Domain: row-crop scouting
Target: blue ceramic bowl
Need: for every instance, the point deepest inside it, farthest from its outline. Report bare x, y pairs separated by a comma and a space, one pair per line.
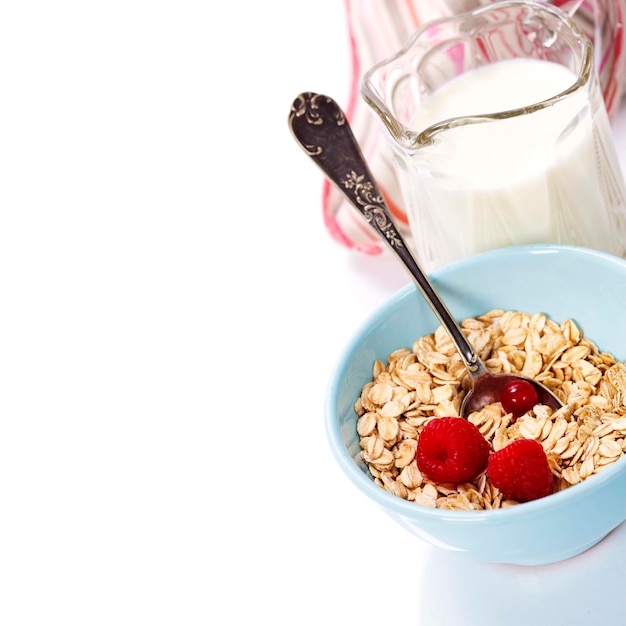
564, 282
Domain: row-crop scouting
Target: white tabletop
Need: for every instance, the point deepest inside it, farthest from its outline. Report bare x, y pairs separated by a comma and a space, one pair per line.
172, 308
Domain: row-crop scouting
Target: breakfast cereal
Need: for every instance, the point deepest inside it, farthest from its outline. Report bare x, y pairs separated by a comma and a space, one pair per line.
429, 380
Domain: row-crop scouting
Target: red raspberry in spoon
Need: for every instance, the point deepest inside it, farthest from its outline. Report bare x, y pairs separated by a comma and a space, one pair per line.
451, 450
518, 397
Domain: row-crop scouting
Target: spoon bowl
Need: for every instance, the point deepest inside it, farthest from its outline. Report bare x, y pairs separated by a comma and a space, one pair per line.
320, 127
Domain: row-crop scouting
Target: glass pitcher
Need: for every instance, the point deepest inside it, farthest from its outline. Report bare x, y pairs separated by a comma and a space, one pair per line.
506, 168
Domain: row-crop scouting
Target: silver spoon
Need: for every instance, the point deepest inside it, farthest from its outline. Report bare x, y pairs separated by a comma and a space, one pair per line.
320, 127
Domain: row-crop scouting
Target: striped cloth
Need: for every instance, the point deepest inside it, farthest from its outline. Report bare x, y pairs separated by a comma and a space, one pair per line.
377, 29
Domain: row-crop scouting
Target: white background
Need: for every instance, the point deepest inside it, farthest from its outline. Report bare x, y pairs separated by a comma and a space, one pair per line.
171, 310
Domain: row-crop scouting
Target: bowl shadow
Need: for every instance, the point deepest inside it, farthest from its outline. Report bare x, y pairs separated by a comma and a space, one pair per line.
585, 590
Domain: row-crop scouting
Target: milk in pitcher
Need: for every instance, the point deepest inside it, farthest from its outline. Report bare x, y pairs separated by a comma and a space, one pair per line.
481, 189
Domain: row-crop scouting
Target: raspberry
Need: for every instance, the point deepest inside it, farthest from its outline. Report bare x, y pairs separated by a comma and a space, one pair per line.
521, 471
451, 450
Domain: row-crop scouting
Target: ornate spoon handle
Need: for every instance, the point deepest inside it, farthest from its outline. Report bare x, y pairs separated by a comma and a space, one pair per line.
320, 127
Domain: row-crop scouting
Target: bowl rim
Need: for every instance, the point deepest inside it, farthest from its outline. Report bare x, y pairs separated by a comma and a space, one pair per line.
410, 509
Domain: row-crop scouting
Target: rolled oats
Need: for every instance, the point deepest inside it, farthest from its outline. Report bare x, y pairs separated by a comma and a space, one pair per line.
429, 380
